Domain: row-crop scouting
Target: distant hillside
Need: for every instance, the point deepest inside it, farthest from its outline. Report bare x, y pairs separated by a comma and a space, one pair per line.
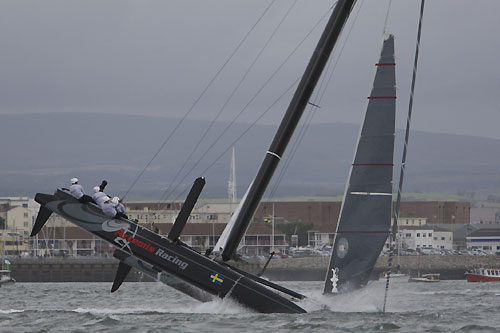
41, 152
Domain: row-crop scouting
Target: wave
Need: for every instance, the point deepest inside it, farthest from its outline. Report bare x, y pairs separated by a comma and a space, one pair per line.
11, 311
363, 300
218, 306
106, 321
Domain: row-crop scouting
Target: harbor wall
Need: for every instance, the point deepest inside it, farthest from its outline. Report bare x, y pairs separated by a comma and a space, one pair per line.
450, 267
66, 270
90, 269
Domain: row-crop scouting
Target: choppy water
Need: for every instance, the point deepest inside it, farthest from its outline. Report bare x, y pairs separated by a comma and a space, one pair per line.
153, 307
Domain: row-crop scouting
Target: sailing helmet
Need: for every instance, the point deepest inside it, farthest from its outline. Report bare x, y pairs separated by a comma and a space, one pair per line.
74, 180
106, 198
115, 200
96, 189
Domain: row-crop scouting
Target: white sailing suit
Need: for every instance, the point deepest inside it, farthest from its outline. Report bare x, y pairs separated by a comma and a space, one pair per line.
108, 209
120, 208
76, 191
99, 198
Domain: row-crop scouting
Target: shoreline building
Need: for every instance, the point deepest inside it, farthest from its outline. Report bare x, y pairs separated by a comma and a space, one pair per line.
17, 222
207, 221
425, 237
485, 239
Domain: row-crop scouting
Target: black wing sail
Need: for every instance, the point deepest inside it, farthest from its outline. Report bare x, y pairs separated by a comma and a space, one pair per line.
365, 215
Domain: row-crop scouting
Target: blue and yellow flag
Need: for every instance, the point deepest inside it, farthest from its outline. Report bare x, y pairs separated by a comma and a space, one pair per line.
217, 279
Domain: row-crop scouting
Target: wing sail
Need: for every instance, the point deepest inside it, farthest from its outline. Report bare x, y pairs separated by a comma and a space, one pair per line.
365, 215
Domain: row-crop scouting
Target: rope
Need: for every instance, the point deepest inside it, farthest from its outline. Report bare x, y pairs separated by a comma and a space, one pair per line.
238, 138
317, 101
403, 162
387, 16
247, 129
245, 107
198, 99
183, 167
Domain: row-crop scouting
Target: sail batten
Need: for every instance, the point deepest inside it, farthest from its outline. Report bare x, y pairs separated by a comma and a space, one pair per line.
370, 193
365, 216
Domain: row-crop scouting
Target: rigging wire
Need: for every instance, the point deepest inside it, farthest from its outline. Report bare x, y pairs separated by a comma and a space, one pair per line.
317, 101
231, 95
251, 100
238, 138
244, 133
403, 161
387, 17
219, 71
247, 129
248, 104
310, 115
252, 125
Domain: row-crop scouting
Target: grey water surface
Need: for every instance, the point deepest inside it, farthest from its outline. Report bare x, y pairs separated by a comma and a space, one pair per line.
447, 306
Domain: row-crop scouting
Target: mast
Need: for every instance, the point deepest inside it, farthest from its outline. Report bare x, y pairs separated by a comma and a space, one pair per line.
272, 232
3, 245
231, 185
403, 160
288, 124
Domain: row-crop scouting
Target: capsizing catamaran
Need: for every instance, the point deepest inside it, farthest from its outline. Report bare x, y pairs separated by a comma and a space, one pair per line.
168, 259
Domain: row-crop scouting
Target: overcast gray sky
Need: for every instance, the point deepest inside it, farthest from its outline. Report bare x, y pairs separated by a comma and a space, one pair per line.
155, 57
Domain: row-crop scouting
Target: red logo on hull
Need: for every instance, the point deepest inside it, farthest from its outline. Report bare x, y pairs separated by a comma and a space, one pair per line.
130, 238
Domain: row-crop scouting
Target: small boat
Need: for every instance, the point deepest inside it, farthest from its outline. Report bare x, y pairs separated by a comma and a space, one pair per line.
483, 274
5, 278
426, 278
396, 277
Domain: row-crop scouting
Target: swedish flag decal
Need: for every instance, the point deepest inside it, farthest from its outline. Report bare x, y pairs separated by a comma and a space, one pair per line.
217, 279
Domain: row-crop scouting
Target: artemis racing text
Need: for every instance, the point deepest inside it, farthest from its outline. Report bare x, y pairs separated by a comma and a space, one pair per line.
175, 260
124, 236
130, 238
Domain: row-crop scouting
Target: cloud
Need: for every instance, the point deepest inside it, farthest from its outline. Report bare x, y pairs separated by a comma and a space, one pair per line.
156, 57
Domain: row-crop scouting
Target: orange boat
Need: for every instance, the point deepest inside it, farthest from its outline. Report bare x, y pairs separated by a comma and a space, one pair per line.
483, 274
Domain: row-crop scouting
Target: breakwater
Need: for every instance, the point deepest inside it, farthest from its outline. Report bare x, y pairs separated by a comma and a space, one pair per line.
91, 269
80, 269
57, 269
450, 267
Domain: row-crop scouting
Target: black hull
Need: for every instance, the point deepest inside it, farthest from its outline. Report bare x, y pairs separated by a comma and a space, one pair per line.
164, 255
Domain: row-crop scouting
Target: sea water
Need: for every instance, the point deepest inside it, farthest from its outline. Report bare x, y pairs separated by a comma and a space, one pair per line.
446, 306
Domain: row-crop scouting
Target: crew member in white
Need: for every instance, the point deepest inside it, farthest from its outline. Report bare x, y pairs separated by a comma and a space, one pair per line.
99, 196
120, 208
108, 208
76, 191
